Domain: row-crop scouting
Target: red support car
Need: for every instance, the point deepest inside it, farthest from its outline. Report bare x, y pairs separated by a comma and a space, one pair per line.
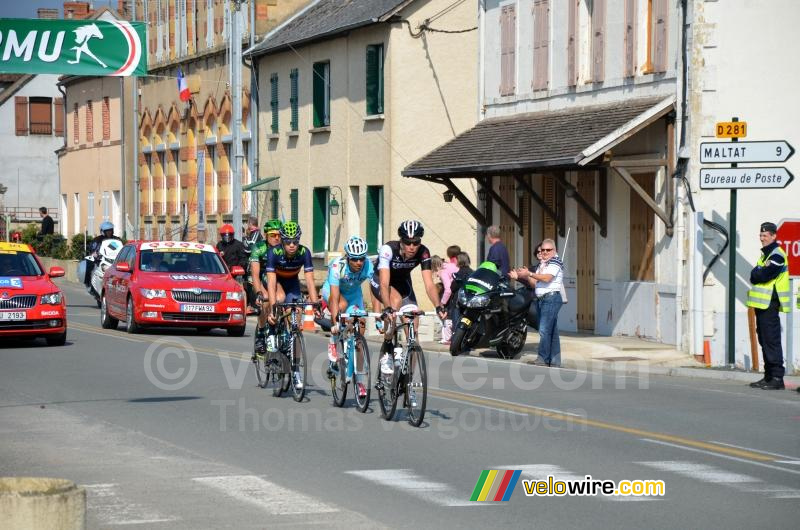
175, 284
31, 305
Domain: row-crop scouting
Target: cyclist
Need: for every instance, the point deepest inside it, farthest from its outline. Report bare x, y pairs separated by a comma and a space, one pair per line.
282, 264
272, 231
342, 289
391, 284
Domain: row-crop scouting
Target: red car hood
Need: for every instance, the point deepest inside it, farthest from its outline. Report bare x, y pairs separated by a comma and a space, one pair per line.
30, 285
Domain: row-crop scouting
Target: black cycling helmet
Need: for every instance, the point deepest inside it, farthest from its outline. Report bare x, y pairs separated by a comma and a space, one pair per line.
410, 230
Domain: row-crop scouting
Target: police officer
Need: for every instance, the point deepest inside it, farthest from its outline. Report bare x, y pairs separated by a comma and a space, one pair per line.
106, 232
769, 295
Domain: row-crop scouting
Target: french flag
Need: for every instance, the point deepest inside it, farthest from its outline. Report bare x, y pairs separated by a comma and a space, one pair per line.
183, 86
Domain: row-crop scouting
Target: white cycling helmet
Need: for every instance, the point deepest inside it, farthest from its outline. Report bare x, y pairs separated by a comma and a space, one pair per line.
355, 247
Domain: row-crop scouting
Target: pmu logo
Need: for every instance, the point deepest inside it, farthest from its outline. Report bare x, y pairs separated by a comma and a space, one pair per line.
495, 485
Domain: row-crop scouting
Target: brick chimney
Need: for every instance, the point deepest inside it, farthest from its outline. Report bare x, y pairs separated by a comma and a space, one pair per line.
77, 10
49, 13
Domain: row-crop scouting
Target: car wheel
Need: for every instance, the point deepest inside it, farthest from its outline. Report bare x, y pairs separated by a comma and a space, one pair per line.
106, 320
57, 340
236, 332
133, 326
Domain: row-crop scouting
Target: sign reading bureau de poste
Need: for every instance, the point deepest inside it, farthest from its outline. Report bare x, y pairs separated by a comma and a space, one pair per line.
72, 47
744, 178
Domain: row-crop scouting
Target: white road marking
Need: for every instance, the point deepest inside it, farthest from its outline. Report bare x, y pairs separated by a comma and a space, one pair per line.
272, 498
112, 509
713, 475
719, 455
542, 471
793, 458
409, 482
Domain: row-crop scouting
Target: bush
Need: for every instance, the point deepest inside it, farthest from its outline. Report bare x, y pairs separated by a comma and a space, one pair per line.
77, 250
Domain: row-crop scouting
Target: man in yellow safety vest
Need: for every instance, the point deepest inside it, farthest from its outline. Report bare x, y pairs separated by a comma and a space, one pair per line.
769, 295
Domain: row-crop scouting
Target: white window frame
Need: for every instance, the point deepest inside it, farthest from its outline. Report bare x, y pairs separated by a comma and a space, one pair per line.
209, 23
64, 223
76, 206
90, 220
106, 206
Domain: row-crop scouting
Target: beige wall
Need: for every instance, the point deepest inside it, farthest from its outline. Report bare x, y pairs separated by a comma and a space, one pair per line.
430, 96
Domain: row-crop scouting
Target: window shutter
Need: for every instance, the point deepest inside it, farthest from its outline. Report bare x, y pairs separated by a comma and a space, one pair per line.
373, 217
572, 49
320, 221
372, 80
293, 199
273, 101
507, 49
21, 115
274, 199
598, 39
319, 94
293, 98
59, 116
40, 116
630, 38
660, 8
541, 42
549, 197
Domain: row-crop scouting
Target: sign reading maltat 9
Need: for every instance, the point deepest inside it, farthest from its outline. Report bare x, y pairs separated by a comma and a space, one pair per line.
789, 238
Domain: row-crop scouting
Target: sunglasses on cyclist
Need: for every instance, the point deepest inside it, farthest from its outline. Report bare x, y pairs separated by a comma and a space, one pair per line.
273, 234
415, 242
294, 242
362, 258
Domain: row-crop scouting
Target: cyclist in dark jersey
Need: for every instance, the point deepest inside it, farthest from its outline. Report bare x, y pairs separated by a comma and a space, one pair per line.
282, 264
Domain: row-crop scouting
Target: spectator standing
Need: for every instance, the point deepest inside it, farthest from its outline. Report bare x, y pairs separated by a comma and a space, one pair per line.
498, 253
48, 225
459, 279
449, 268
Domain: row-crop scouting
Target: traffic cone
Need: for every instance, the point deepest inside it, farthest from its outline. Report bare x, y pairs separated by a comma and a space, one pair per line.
308, 319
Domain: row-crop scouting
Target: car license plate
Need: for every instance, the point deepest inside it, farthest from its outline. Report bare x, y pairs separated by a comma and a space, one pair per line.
195, 308
15, 315
466, 321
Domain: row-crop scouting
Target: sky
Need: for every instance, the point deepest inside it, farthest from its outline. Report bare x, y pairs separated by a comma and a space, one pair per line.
27, 8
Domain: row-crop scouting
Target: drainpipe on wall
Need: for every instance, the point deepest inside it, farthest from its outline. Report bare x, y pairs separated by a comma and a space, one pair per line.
62, 215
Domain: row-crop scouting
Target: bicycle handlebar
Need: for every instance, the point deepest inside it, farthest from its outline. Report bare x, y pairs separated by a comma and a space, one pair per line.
298, 304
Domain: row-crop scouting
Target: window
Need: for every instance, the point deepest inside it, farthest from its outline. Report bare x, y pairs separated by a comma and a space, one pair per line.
541, 43
274, 204
41, 116
293, 98
374, 218
76, 208
630, 38
209, 27
64, 224
177, 204
508, 44
106, 119
598, 39
374, 79
89, 123
90, 225
75, 125
572, 43
322, 94
211, 160
273, 101
148, 159
162, 161
642, 233
320, 243
293, 199
106, 206
657, 15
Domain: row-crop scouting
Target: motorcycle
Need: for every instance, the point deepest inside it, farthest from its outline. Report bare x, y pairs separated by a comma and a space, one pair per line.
102, 259
492, 315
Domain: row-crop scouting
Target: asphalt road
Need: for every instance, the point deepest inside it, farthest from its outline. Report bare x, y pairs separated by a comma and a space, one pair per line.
168, 429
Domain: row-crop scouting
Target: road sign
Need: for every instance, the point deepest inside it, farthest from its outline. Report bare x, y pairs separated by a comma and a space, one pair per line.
731, 129
744, 178
789, 239
745, 152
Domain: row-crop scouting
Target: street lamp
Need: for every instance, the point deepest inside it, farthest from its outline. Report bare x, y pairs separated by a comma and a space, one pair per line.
481, 194
447, 196
334, 204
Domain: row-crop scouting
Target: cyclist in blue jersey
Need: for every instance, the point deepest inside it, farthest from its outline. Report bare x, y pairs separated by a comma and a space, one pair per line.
342, 289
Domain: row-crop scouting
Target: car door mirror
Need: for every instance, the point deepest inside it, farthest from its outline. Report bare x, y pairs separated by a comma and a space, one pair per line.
56, 272
124, 267
236, 270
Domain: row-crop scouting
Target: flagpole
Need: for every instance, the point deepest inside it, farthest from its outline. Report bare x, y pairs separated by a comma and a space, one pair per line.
236, 89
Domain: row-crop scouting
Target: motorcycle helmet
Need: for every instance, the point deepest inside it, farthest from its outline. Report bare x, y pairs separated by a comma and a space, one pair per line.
226, 232
106, 227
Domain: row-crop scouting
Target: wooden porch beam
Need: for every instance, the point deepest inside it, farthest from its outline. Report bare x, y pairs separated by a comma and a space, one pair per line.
629, 180
571, 191
487, 185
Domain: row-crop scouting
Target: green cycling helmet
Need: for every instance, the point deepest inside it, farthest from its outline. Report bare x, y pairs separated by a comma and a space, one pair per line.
273, 225
290, 230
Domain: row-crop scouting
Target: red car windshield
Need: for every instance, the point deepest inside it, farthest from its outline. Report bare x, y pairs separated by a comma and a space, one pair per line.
184, 261
13, 263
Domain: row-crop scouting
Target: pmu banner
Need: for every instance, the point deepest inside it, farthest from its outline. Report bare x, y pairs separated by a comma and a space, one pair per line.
73, 47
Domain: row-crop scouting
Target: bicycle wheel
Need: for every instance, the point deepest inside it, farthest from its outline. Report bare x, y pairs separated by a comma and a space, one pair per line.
282, 378
362, 374
260, 364
299, 366
339, 379
416, 386
387, 389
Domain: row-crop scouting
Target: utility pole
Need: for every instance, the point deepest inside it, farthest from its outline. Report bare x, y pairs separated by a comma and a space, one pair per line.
135, 143
236, 96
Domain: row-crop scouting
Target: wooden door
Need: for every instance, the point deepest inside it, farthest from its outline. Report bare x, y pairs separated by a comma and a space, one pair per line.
508, 228
584, 264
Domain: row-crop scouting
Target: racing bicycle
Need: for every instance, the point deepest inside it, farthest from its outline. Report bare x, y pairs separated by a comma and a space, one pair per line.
352, 364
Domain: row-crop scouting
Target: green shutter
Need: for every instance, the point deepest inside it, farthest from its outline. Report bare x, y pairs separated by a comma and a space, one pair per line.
319, 94
320, 218
274, 199
374, 217
293, 201
293, 98
274, 101
374, 79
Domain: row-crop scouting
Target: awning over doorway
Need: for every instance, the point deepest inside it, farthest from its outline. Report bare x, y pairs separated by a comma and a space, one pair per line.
562, 138
259, 185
